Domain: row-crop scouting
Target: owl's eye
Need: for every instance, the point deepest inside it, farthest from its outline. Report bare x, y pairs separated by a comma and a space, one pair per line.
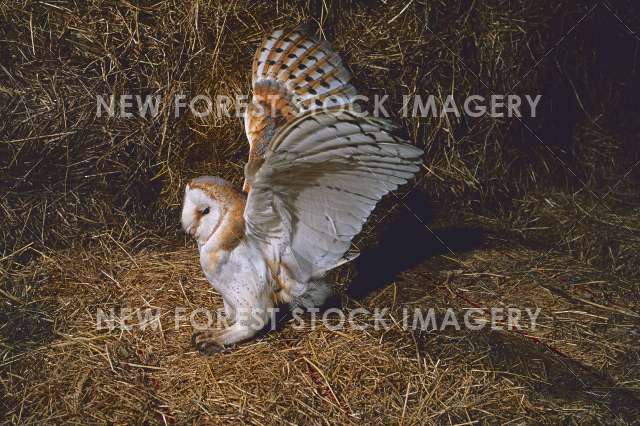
205, 211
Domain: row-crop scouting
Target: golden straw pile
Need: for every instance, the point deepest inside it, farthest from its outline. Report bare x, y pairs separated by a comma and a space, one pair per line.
540, 212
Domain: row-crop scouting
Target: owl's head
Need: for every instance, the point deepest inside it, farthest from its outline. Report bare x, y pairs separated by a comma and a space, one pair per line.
203, 209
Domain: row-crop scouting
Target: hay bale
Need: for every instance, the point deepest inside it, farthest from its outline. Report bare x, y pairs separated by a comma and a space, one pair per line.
89, 214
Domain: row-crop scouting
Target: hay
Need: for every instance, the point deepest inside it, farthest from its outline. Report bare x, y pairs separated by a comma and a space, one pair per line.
90, 205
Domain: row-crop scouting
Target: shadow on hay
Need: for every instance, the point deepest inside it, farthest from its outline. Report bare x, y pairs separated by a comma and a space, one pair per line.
558, 376
549, 375
406, 242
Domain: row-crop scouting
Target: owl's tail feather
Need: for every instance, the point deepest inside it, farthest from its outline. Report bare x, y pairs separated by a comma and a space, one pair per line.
303, 69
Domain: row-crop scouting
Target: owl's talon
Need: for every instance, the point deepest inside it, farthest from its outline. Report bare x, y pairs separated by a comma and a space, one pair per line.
209, 348
205, 342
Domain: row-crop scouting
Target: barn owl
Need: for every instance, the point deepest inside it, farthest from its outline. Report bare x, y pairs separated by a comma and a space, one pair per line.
313, 182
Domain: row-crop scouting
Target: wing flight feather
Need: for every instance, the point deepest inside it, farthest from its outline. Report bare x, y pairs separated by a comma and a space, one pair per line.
322, 177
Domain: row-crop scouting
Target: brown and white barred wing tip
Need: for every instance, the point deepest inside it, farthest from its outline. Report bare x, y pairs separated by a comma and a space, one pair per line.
308, 69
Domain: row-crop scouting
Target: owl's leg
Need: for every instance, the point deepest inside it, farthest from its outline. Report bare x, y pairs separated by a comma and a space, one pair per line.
314, 294
230, 312
248, 321
212, 341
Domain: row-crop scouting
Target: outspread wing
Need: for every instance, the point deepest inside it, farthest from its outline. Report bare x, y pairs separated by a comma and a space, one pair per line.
292, 73
323, 175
